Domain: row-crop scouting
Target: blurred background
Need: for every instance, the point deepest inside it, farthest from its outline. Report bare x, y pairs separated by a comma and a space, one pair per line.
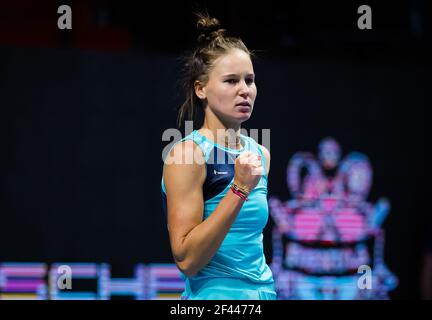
82, 114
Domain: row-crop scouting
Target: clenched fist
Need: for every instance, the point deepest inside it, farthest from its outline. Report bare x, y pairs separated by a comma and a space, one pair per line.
248, 170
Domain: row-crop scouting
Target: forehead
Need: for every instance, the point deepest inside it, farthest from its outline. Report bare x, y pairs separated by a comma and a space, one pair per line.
235, 61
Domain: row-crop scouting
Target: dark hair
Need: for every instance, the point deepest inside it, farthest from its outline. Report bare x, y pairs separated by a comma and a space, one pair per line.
211, 44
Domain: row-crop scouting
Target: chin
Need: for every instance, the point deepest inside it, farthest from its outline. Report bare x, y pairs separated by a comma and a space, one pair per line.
244, 117
237, 118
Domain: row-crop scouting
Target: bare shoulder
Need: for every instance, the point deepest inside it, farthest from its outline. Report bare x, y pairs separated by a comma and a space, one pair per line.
185, 152
184, 165
266, 153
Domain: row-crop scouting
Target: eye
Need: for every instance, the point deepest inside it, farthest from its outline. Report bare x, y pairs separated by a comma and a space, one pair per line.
249, 81
231, 81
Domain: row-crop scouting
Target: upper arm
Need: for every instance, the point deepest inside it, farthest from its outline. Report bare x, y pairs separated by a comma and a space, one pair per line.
266, 154
183, 184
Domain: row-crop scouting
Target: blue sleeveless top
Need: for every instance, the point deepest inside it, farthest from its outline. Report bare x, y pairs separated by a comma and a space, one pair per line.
241, 254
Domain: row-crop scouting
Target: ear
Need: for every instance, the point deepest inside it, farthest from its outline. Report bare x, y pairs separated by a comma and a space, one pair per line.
199, 90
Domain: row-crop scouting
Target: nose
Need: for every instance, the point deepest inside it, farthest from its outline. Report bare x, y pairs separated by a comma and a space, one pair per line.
244, 89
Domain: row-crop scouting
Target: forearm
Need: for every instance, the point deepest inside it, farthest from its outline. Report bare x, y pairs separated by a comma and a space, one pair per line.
202, 242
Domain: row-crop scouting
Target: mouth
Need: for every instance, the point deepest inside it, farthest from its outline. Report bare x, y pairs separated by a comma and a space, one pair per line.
244, 104
244, 109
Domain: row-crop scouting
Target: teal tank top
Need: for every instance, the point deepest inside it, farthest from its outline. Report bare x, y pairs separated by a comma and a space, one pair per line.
239, 261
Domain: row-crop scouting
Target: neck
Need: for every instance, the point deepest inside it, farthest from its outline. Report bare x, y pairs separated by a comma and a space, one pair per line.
224, 134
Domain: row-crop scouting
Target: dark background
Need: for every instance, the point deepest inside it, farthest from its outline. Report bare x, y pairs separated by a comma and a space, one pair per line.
83, 112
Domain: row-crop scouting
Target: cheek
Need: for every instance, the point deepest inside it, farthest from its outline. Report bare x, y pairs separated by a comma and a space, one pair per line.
219, 97
224, 95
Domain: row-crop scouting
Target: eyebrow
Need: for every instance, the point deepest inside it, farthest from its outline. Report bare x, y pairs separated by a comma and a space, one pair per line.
236, 75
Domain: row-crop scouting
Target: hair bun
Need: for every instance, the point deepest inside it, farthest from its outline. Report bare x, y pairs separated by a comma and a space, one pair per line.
208, 28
